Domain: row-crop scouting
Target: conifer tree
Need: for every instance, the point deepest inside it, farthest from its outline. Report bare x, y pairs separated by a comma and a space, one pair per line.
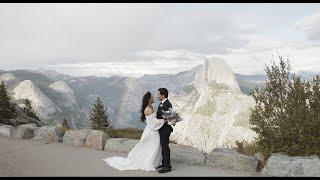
6, 111
65, 123
64, 126
29, 110
99, 117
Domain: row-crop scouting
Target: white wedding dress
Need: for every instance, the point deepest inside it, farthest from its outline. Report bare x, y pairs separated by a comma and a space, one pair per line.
146, 154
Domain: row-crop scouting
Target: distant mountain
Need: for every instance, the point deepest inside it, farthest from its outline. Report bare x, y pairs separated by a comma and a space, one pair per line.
27, 89
51, 74
50, 105
214, 110
73, 97
248, 82
307, 75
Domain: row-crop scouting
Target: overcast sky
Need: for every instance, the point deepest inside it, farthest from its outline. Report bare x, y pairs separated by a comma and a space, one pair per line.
135, 39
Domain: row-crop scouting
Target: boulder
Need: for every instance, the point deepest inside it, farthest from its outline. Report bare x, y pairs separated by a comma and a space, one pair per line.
231, 160
186, 154
96, 140
122, 145
59, 134
47, 133
24, 131
6, 130
76, 137
279, 164
261, 160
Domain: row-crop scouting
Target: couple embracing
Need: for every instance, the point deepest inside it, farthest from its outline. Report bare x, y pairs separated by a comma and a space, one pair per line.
152, 151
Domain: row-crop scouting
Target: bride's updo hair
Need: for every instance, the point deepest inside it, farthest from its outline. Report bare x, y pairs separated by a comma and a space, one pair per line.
145, 102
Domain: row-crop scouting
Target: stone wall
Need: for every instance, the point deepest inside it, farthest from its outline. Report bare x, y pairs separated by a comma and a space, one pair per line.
277, 165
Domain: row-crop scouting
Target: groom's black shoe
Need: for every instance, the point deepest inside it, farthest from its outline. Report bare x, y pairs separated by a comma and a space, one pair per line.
161, 166
165, 169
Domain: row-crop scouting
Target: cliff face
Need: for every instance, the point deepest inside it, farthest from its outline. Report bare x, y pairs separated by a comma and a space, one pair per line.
65, 91
42, 104
215, 111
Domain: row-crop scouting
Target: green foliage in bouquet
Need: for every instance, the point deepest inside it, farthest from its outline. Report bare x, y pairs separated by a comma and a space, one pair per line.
286, 116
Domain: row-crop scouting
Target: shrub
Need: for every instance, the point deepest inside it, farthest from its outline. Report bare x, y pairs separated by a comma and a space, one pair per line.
286, 115
131, 133
247, 148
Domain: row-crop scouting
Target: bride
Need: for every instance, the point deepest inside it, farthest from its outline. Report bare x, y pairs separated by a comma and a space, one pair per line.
146, 154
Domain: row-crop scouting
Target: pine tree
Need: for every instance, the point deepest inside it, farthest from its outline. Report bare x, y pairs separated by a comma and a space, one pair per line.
99, 117
64, 126
65, 123
29, 110
6, 111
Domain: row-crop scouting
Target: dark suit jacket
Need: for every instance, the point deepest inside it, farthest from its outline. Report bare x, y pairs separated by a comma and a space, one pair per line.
165, 106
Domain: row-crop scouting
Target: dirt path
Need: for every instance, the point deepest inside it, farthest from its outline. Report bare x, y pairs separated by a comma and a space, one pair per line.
36, 158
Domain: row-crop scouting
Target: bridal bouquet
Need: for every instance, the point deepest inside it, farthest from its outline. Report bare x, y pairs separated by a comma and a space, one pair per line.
171, 116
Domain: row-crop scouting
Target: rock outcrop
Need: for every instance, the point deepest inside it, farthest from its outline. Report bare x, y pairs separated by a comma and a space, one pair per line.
76, 137
42, 104
215, 112
216, 70
66, 92
96, 140
282, 165
24, 131
186, 154
6, 130
230, 159
47, 133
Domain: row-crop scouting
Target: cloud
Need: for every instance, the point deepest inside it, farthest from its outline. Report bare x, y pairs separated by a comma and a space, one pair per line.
205, 32
170, 54
125, 68
56, 33
310, 25
136, 39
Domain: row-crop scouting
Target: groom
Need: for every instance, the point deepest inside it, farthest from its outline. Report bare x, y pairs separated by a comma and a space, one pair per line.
165, 130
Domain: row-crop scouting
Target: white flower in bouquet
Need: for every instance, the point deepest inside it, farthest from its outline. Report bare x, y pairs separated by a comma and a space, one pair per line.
172, 116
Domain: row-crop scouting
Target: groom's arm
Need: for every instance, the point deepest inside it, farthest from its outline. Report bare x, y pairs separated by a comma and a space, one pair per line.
167, 105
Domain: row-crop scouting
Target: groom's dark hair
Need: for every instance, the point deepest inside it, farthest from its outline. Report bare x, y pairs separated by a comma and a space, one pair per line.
163, 91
